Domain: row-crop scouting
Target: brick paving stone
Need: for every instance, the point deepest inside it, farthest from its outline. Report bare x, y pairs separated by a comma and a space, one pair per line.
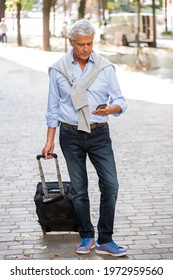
148, 257
168, 256
142, 142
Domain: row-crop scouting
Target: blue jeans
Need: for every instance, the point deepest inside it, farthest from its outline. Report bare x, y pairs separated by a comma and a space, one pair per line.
76, 145
3, 38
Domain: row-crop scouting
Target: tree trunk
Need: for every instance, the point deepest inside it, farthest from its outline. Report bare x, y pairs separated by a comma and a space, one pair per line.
46, 20
2, 8
154, 44
19, 38
81, 10
166, 19
104, 7
138, 21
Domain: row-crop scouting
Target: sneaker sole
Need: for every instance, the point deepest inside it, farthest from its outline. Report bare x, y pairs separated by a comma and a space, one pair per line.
109, 253
85, 252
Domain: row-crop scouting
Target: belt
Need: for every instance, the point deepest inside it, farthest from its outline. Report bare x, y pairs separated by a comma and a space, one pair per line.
92, 126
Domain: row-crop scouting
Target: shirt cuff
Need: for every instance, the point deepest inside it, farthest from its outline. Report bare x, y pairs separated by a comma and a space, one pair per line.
52, 123
122, 104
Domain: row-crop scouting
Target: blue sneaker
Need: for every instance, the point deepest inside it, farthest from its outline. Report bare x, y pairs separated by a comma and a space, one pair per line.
110, 248
85, 246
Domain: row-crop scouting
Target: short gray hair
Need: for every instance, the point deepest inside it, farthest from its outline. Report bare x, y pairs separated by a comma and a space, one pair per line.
82, 27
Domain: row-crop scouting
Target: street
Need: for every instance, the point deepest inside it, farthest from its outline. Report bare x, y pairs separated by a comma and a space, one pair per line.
143, 146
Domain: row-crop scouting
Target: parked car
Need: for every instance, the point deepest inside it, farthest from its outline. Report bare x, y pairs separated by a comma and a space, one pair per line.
122, 29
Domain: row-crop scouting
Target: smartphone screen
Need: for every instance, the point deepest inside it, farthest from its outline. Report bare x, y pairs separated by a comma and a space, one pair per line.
101, 106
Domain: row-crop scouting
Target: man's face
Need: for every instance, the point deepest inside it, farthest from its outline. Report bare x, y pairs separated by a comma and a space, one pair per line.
82, 46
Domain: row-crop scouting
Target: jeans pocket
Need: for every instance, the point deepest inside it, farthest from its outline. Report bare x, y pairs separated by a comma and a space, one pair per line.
65, 130
104, 128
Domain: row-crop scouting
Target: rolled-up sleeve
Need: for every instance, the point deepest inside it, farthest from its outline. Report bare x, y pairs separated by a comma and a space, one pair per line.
53, 101
116, 97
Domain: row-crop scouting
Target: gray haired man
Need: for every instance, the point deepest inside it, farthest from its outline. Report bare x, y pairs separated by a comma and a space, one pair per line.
79, 82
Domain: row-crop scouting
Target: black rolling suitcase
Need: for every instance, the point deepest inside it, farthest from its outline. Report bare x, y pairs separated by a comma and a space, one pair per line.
53, 202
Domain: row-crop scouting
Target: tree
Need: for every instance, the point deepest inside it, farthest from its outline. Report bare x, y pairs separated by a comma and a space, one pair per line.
81, 9
19, 37
165, 12
154, 44
102, 6
27, 5
20, 5
2, 8
47, 4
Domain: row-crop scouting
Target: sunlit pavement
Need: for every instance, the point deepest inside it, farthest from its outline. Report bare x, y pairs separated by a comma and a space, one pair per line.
142, 141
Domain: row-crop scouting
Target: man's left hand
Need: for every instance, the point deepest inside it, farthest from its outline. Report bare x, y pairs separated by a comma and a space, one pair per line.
109, 110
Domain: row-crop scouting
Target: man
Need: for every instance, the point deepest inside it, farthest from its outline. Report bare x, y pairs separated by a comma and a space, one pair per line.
3, 31
79, 82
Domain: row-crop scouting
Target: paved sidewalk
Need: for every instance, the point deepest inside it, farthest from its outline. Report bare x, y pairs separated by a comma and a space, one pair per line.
142, 141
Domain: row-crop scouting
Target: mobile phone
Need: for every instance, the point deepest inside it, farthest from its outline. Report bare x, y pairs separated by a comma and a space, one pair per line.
101, 106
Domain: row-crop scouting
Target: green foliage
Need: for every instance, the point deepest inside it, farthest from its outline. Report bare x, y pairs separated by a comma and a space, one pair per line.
168, 32
27, 5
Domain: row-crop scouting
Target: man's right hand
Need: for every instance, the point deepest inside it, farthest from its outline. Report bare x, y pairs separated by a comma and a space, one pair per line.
48, 148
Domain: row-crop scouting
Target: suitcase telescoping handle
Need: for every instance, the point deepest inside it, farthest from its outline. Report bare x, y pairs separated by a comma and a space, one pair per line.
45, 189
